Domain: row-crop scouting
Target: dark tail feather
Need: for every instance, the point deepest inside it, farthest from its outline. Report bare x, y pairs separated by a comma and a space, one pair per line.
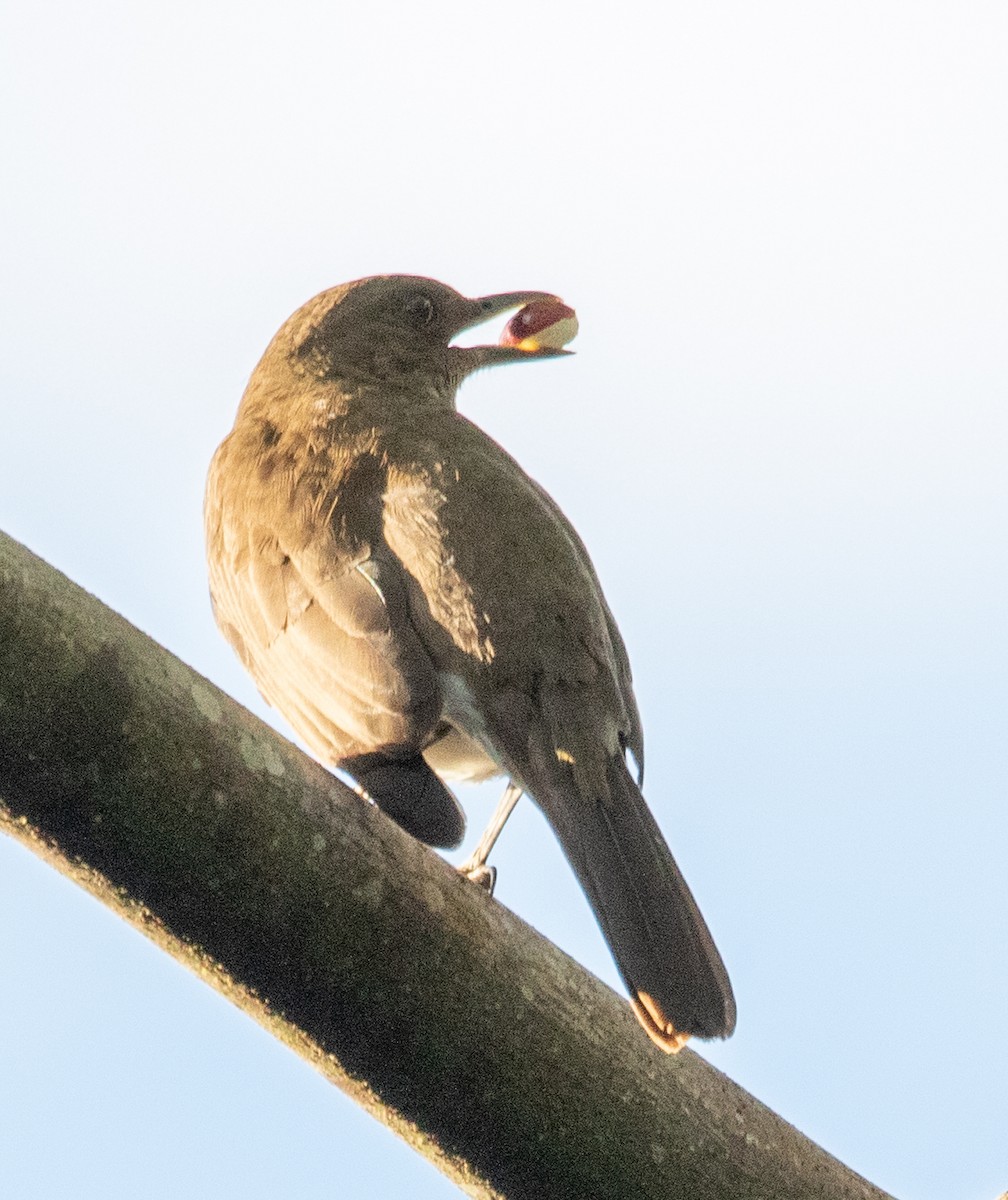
408, 791
662, 946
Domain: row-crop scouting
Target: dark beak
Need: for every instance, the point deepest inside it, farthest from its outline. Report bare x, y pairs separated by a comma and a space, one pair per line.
485, 308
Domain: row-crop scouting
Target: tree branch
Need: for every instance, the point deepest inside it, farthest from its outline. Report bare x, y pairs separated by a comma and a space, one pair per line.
445, 1016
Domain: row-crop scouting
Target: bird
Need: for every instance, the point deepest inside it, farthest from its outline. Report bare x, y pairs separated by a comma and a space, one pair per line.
421, 611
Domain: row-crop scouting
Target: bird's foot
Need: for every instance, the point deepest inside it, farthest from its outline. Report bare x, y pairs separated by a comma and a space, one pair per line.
481, 874
476, 867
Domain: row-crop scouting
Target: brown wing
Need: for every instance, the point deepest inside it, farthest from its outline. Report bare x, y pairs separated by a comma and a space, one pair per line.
635, 736
502, 586
326, 634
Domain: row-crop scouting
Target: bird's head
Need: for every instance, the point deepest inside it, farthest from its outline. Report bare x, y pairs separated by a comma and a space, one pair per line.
399, 330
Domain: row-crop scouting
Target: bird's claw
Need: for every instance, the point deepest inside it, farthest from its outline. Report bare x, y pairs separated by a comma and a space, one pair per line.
481, 874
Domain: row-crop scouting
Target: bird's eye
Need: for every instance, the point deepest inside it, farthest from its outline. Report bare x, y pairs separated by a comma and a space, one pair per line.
421, 309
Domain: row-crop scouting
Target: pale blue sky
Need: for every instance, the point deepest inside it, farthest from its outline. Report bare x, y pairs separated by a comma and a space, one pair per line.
783, 438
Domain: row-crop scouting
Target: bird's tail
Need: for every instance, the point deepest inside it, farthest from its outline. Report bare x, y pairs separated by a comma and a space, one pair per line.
677, 982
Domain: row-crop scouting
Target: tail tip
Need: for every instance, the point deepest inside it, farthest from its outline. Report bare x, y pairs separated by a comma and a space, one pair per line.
663, 1032
656, 1025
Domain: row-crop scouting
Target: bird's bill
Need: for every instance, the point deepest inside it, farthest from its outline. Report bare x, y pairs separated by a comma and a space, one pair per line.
485, 308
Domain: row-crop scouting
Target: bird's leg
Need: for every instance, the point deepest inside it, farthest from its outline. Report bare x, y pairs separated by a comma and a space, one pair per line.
475, 867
